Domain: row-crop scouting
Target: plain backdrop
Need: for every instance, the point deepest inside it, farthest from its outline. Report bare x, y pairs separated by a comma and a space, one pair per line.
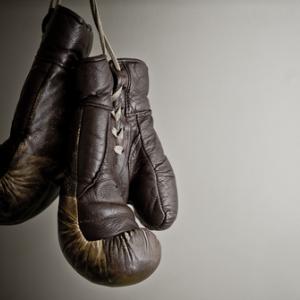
225, 93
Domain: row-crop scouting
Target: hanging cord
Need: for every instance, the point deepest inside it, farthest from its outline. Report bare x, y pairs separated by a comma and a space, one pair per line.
118, 128
54, 3
105, 44
99, 25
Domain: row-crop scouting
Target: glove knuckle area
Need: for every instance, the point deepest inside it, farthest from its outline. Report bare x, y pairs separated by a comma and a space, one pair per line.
124, 259
132, 256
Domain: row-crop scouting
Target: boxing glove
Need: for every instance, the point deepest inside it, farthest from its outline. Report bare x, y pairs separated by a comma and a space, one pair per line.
116, 160
32, 159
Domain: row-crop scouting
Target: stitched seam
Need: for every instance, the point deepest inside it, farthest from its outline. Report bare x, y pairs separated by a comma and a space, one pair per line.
86, 104
36, 100
88, 60
131, 60
78, 147
133, 147
140, 113
46, 60
152, 166
127, 98
96, 177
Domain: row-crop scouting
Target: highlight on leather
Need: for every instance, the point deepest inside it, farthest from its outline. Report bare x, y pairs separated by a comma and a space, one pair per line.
31, 159
98, 232
25, 177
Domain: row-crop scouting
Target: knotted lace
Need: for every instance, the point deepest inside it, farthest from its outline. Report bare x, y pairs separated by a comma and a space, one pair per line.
118, 129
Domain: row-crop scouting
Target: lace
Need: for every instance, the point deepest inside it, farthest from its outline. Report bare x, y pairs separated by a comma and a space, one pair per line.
118, 129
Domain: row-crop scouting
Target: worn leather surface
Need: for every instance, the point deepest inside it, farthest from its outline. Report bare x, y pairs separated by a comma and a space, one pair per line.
97, 229
32, 159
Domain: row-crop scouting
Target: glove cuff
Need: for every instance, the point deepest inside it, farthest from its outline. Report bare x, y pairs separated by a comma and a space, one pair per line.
66, 37
100, 81
134, 78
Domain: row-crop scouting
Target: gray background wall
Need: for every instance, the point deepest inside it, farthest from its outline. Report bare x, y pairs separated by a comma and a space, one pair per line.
225, 91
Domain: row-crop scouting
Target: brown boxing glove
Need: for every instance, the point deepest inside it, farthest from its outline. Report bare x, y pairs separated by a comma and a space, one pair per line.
32, 159
116, 160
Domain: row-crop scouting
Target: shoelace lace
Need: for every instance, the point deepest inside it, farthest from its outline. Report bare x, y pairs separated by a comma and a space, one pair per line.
118, 129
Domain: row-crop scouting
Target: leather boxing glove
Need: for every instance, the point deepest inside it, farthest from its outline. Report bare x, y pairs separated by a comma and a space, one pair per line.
117, 159
32, 159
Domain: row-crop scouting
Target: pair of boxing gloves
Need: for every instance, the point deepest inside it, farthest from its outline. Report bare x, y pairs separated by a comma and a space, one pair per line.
83, 129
